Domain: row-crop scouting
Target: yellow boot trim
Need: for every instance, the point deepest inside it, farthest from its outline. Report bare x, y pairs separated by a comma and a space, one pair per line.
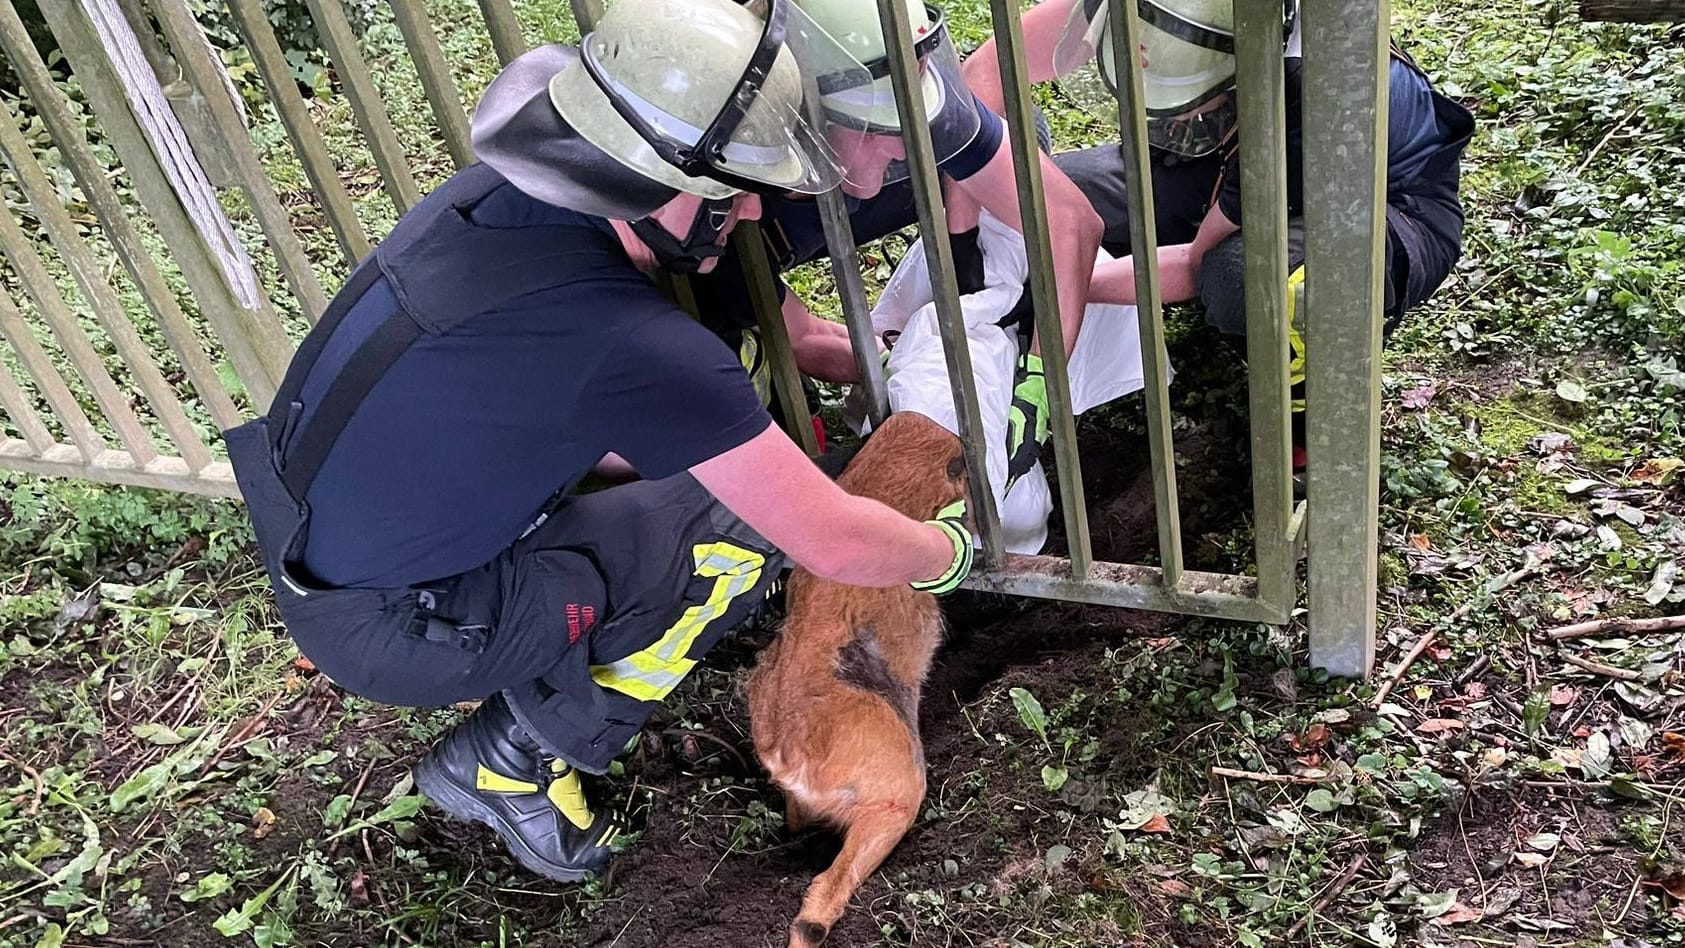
1295, 334
493, 782
568, 796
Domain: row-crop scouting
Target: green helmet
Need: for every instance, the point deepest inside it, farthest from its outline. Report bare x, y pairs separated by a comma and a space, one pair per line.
1187, 63
700, 95
859, 113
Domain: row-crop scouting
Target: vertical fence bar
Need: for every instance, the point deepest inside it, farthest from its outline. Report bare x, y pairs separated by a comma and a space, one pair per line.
32, 272
1263, 198
435, 77
96, 292
23, 414
939, 257
35, 361
307, 141
505, 29
256, 344
114, 219
366, 103
586, 13
1345, 131
775, 336
206, 76
857, 313
1143, 243
1032, 209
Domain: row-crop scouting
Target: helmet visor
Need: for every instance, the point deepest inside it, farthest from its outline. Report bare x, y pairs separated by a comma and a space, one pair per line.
762, 138
866, 127
1184, 63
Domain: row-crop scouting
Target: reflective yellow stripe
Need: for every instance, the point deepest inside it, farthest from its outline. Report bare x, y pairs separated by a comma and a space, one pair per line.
1295, 337
609, 835
493, 782
651, 673
754, 362
568, 796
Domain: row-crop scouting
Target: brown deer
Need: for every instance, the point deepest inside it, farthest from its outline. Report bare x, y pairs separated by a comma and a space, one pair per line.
834, 703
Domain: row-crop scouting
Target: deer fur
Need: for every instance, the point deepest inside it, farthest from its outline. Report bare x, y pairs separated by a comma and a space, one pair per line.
833, 705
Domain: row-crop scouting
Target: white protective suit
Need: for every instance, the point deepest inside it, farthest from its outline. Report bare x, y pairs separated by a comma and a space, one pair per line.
1105, 365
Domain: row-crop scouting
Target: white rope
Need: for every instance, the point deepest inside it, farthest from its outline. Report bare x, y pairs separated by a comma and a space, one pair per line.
175, 153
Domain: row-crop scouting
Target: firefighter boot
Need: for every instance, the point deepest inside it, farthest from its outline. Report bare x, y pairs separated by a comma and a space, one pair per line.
490, 771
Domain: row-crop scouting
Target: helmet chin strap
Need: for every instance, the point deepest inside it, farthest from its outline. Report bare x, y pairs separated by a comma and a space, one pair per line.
700, 243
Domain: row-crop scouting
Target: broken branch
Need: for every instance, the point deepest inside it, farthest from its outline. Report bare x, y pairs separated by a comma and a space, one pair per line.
1615, 626
1607, 671
1265, 778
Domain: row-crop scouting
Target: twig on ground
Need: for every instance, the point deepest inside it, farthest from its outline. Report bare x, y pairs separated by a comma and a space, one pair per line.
1607, 671
245, 734
1508, 579
356, 792
1329, 896
1265, 778
35, 775
1479, 665
1404, 666
1617, 626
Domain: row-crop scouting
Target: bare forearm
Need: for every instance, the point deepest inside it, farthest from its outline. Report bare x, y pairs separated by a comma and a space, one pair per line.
873, 545
826, 354
1114, 282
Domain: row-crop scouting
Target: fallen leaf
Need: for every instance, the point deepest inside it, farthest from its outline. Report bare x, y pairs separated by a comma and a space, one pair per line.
1158, 824
1458, 914
1175, 888
1657, 470
1661, 584
1475, 689
1551, 442
263, 821
1571, 391
1439, 725
1532, 860
1314, 737
1673, 883
1495, 757
1674, 743
1563, 695
304, 664
1630, 514
1420, 396
1580, 485
1544, 842
1439, 653
359, 888
1420, 541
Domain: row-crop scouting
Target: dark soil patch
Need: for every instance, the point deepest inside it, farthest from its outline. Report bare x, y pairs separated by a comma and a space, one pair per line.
1584, 887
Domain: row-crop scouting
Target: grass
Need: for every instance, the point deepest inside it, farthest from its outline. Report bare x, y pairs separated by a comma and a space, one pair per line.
171, 772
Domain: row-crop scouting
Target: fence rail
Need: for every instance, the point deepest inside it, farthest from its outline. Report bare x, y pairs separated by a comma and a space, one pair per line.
208, 348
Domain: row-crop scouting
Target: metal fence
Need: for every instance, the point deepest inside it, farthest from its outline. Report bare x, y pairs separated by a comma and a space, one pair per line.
218, 334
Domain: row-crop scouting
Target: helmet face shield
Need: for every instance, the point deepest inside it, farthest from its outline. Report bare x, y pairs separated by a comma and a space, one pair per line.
1187, 64
866, 129
758, 136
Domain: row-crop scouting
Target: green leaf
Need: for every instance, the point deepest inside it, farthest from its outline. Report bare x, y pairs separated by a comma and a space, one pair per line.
1053, 778
1624, 786
235, 921
1435, 904
334, 814
208, 887
1571, 391
142, 785
1030, 712
53, 937
1056, 856
1534, 712
400, 809
164, 735
1321, 801
1372, 763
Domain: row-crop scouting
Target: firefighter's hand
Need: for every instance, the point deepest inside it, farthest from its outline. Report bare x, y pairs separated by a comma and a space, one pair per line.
951, 521
1026, 421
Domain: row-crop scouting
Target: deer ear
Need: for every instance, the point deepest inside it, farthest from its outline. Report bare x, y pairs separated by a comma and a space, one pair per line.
956, 467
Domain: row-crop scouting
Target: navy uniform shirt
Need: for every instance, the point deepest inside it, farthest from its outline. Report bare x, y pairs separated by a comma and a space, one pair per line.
465, 439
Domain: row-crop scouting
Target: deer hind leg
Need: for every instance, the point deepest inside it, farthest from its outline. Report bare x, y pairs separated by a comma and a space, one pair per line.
876, 830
